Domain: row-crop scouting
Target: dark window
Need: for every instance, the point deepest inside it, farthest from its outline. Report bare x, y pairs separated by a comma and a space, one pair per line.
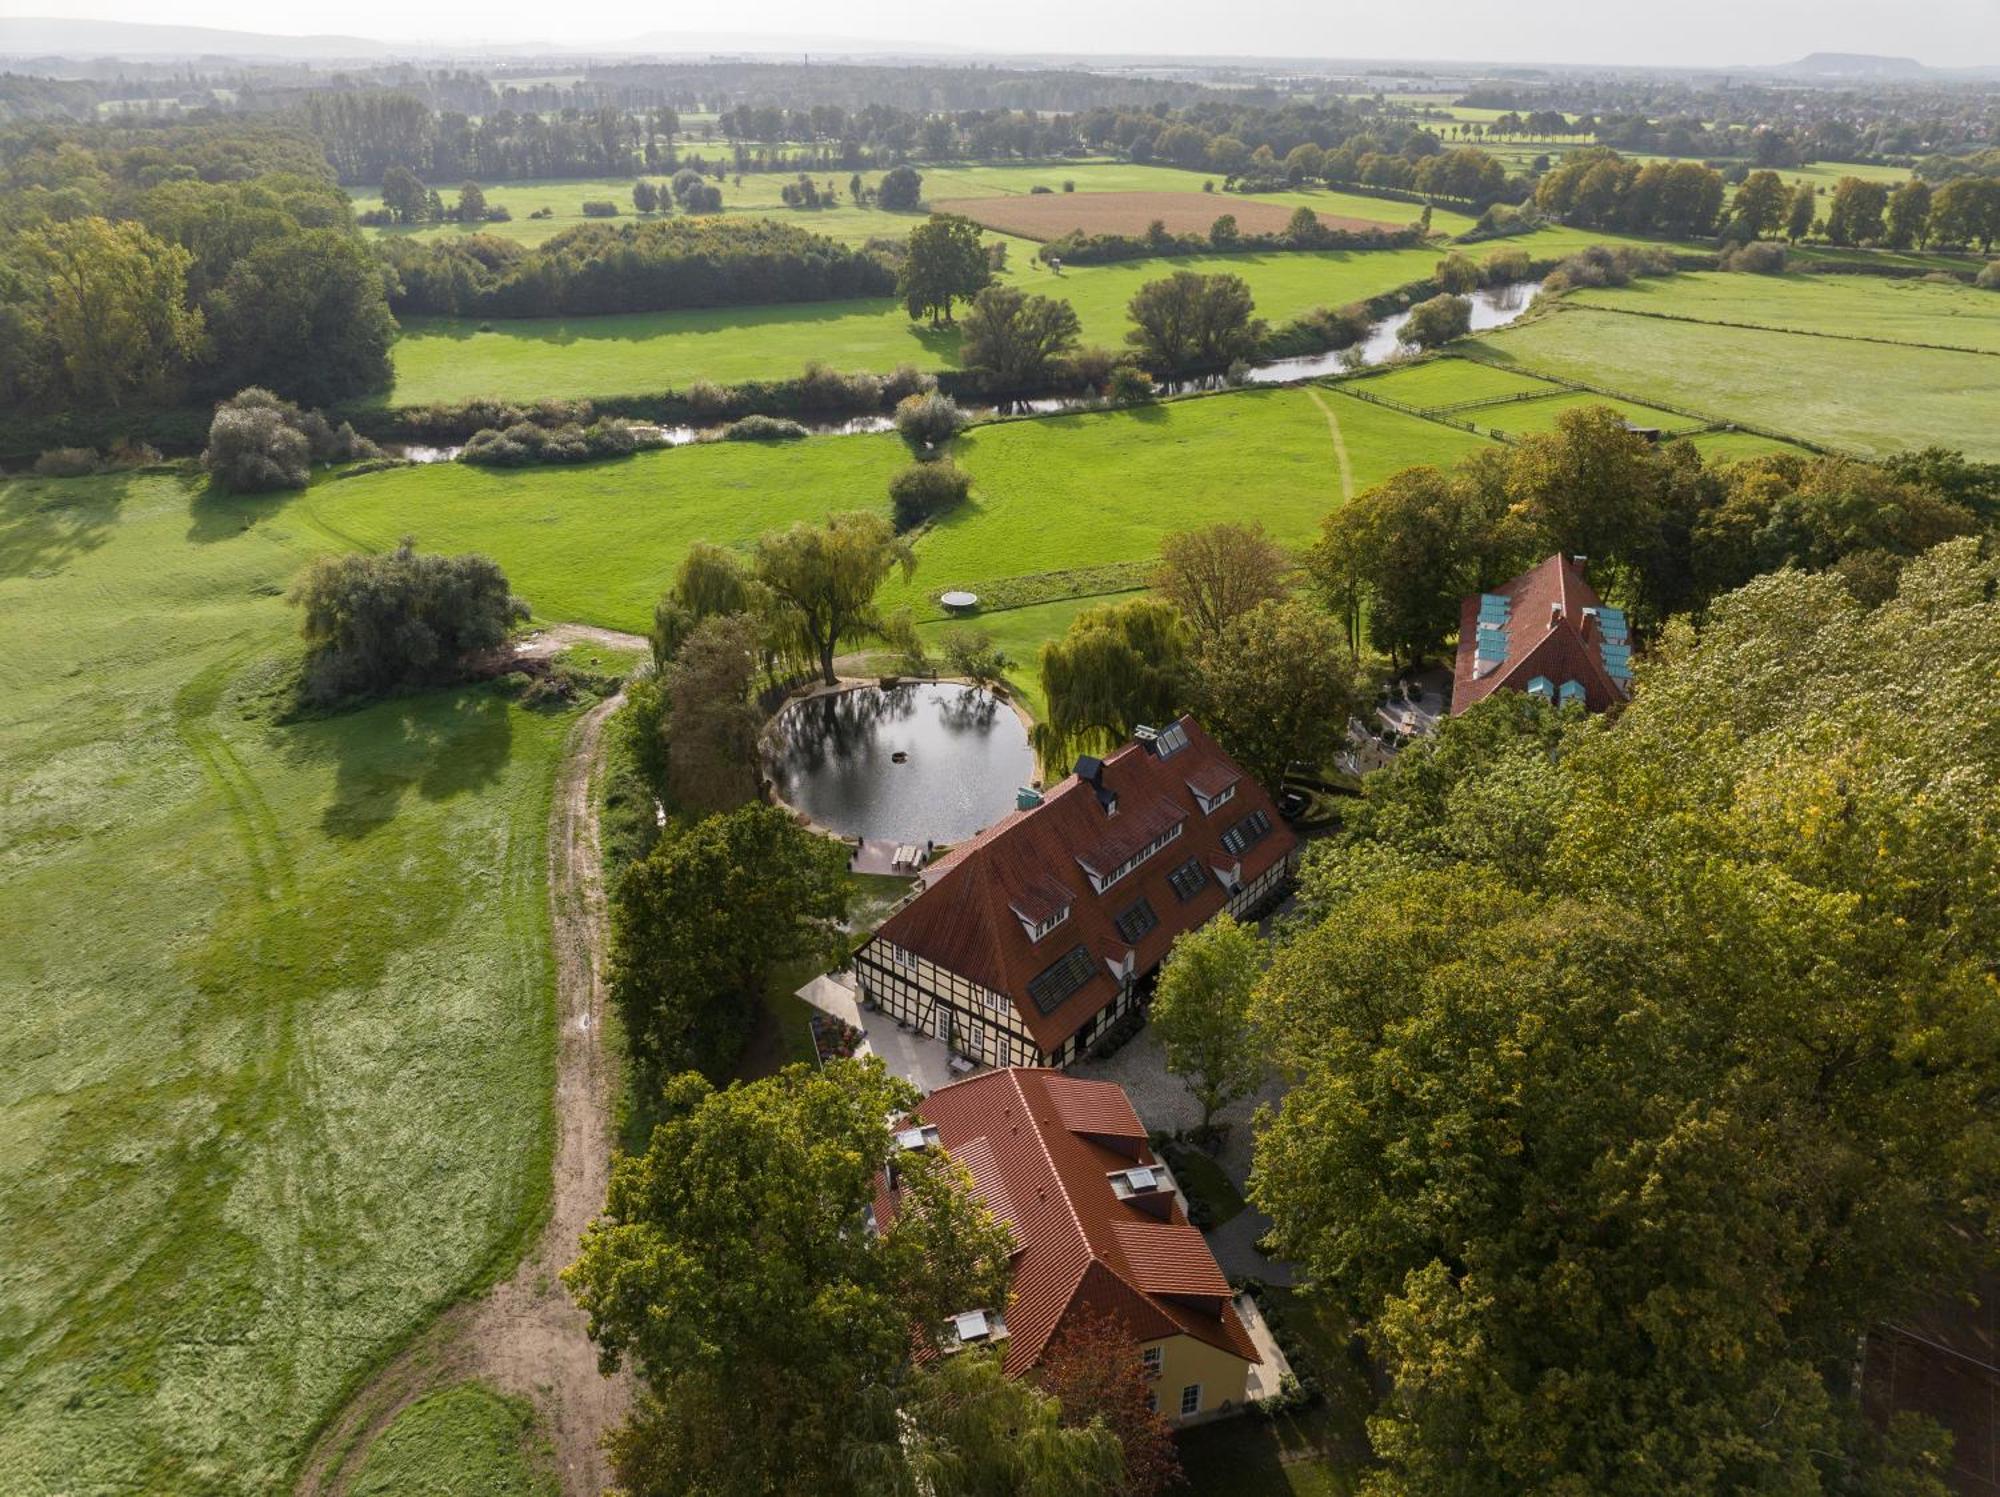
1189, 879
1136, 921
1247, 833
1060, 979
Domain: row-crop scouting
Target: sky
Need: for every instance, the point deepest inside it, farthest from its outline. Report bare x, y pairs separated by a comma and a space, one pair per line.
1944, 33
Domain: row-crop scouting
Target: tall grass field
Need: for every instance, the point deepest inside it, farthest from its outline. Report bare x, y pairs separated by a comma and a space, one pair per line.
275, 999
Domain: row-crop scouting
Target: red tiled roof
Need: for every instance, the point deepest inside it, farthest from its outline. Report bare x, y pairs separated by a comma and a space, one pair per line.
1018, 1133
1540, 643
1212, 779
964, 920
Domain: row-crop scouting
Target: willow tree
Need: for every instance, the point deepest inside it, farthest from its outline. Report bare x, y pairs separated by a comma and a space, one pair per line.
825, 577
1119, 665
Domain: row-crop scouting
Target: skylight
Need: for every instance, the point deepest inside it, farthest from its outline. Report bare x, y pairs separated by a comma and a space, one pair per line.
1056, 983
1136, 921
1247, 833
1189, 879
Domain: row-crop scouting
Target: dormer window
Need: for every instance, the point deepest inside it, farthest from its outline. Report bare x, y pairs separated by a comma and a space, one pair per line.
1042, 927
974, 1328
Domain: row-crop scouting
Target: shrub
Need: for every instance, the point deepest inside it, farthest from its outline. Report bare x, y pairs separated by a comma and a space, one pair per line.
255, 447
1988, 279
1129, 385
1039, 190
927, 422
377, 622
1759, 257
1600, 266
926, 489
1090, 367
906, 380
1069, 184
901, 188
1319, 331
1503, 267
824, 389
526, 442
1456, 273
710, 401
1437, 321
764, 429
67, 462
127, 453
600, 208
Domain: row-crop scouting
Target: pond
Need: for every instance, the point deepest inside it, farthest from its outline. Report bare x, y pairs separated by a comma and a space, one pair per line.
963, 754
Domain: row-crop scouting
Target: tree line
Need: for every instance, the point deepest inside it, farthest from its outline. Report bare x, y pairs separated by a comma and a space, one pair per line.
145, 268
649, 265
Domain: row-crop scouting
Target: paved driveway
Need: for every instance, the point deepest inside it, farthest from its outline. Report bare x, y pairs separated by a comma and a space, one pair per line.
1165, 1106
920, 1060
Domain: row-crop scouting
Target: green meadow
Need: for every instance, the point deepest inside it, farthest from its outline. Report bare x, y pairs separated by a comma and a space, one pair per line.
599, 543
275, 998
462, 1441
1920, 312
443, 359
1442, 382
1530, 417
1869, 398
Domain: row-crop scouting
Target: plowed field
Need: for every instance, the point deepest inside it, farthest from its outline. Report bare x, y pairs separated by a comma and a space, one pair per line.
1050, 215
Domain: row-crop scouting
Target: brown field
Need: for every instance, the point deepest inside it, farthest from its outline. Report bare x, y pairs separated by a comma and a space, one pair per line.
1050, 215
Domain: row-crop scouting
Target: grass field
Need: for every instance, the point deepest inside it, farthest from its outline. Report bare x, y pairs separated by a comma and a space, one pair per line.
638, 353
1731, 446
1866, 397
599, 543
463, 1441
275, 1001
759, 194
1527, 417
1440, 382
1901, 311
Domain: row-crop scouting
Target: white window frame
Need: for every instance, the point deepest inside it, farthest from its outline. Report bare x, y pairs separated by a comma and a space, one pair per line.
1170, 835
1035, 933
1195, 1389
1222, 798
1154, 1358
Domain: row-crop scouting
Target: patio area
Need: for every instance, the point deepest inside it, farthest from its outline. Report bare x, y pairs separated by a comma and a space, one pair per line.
924, 1062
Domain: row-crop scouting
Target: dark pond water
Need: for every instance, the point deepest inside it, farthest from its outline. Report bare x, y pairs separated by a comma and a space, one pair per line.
833, 757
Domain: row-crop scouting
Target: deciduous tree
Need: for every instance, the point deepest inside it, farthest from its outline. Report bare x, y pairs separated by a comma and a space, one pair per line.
1093, 1369
699, 923
1276, 687
825, 577
1017, 337
1218, 573
113, 307
731, 1267
1116, 666
1201, 1011
1618, 1134
711, 722
943, 264
1188, 321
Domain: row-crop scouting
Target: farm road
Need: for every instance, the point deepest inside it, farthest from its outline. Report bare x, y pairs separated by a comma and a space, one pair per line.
524, 1336
1339, 445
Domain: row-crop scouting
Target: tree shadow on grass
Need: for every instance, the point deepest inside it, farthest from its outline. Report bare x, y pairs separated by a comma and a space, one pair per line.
438, 744
47, 523
217, 516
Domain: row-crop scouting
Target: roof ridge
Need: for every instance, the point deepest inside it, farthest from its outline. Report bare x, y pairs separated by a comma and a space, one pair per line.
1042, 1141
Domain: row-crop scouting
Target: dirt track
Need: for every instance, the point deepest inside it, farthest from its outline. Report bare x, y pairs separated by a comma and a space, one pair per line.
524, 1336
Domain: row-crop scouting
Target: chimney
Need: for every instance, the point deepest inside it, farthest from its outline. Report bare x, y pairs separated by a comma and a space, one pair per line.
1090, 769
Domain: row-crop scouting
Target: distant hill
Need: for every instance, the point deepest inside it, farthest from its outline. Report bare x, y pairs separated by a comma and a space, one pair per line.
1854, 65
49, 36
